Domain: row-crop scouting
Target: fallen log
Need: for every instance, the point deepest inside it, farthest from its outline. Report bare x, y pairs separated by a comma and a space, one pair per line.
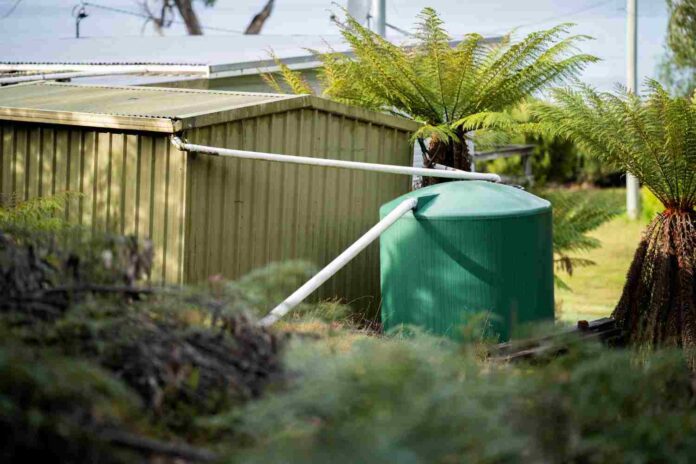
604, 330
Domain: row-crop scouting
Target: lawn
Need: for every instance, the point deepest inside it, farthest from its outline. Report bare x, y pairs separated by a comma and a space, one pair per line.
596, 289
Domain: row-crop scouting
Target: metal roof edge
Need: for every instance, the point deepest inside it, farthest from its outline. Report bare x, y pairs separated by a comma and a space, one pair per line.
143, 88
293, 102
172, 68
174, 123
363, 114
98, 120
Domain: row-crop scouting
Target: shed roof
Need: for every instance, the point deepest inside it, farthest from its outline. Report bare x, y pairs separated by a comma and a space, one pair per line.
159, 109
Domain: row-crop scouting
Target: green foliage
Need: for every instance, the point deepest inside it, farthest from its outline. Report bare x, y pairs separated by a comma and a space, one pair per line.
266, 287
440, 85
53, 409
290, 80
654, 138
680, 80
554, 160
44, 214
185, 351
681, 31
405, 400
263, 289
421, 400
185, 354
678, 66
611, 407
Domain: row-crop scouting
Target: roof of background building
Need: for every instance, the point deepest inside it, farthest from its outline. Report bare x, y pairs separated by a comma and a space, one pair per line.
160, 58
211, 50
214, 55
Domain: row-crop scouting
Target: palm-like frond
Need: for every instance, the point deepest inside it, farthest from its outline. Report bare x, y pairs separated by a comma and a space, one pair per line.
440, 85
575, 213
293, 80
654, 138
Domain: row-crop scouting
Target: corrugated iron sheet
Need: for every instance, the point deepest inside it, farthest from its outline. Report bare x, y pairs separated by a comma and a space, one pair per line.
147, 102
243, 214
130, 183
210, 215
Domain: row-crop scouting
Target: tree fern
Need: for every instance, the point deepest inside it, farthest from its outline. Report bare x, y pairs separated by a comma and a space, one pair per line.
441, 86
655, 139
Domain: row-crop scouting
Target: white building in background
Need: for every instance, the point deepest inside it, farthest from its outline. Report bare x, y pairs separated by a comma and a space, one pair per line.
200, 62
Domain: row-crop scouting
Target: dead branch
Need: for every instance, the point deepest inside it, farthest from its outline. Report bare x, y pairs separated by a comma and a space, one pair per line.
157, 447
259, 19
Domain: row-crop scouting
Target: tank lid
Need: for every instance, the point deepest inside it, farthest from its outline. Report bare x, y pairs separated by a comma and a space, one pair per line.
478, 199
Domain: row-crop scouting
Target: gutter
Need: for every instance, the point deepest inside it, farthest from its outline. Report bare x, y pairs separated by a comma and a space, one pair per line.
57, 76
202, 70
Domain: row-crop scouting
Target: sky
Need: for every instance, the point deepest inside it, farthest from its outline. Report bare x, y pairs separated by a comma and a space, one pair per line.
603, 20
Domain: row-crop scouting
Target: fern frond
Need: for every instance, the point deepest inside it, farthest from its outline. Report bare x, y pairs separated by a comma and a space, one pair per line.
292, 79
653, 137
272, 82
444, 86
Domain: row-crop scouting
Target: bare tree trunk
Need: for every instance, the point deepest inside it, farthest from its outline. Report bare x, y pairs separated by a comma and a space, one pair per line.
193, 26
259, 20
454, 154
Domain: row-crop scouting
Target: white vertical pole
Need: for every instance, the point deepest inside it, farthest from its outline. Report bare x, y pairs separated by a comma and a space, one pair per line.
378, 13
632, 184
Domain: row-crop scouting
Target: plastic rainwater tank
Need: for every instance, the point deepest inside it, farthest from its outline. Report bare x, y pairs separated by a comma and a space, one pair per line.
475, 248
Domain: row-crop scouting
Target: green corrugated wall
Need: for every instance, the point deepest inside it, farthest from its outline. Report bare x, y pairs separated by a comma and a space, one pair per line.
209, 215
131, 183
244, 213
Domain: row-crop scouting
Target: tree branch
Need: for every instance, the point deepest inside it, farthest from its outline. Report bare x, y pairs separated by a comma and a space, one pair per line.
150, 445
259, 20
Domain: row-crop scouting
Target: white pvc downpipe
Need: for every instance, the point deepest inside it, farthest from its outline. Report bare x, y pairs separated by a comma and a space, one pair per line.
370, 236
341, 260
361, 166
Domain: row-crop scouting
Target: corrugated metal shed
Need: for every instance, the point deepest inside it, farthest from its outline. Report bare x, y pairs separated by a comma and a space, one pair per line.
207, 215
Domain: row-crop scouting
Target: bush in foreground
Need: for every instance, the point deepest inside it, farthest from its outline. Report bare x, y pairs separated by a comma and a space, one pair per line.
423, 400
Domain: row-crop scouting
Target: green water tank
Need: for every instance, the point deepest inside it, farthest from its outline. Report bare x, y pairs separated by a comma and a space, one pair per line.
470, 248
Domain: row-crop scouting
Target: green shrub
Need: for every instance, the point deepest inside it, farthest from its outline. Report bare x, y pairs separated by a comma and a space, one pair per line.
421, 400
396, 401
612, 407
54, 409
38, 214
